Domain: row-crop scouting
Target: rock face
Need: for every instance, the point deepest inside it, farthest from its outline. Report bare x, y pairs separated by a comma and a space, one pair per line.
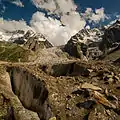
85, 43
11, 36
36, 42
30, 39
31, 91
33, 41
111, 37
74, 49
96, 43
10, 106
88, 36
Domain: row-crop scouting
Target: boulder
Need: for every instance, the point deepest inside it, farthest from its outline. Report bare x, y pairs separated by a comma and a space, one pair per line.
68, 68
10, 106
76, 49
101, 99
90, 86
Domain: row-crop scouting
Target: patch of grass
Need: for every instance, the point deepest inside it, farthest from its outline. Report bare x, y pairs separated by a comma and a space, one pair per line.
13, 52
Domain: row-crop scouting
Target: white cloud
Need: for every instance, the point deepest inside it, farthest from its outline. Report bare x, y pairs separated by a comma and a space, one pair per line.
96, 16
12, 25
73, 21
17, 2
53, 28
56, 6
118, 16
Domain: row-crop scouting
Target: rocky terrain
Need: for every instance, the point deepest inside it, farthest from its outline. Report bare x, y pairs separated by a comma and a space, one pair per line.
76, 81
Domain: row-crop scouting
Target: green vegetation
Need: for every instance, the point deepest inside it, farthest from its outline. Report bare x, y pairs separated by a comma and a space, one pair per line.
13, 53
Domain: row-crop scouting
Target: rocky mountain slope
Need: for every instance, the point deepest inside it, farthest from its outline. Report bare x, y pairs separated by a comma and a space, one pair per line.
76, 81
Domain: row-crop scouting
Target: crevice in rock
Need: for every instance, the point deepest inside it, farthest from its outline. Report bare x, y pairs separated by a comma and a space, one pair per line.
31, 91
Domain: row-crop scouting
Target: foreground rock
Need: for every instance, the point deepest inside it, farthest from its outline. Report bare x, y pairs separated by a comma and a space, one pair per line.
10, 106
64, 97
100, 113
90, 86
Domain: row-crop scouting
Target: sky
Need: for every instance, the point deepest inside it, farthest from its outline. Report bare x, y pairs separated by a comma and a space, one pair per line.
12, 11
58, 20
111, 6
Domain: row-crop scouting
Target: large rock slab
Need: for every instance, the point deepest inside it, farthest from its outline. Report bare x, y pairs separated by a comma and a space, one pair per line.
10, 106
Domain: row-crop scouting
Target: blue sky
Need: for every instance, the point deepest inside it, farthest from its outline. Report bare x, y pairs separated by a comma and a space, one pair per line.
16, 13
112, 7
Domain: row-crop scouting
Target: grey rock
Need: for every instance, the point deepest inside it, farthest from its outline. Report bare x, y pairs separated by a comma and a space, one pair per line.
90, 86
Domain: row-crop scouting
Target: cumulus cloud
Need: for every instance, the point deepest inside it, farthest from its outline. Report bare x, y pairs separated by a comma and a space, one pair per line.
12, 25
118, 16
95, 17
73, 21
17, 2
53, 29
66, 10
56, 6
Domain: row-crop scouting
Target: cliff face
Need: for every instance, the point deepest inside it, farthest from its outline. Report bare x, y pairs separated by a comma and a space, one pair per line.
111, 37
10, 106
31, 91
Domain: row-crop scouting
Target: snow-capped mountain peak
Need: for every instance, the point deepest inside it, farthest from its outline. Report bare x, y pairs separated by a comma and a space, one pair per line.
88, 35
